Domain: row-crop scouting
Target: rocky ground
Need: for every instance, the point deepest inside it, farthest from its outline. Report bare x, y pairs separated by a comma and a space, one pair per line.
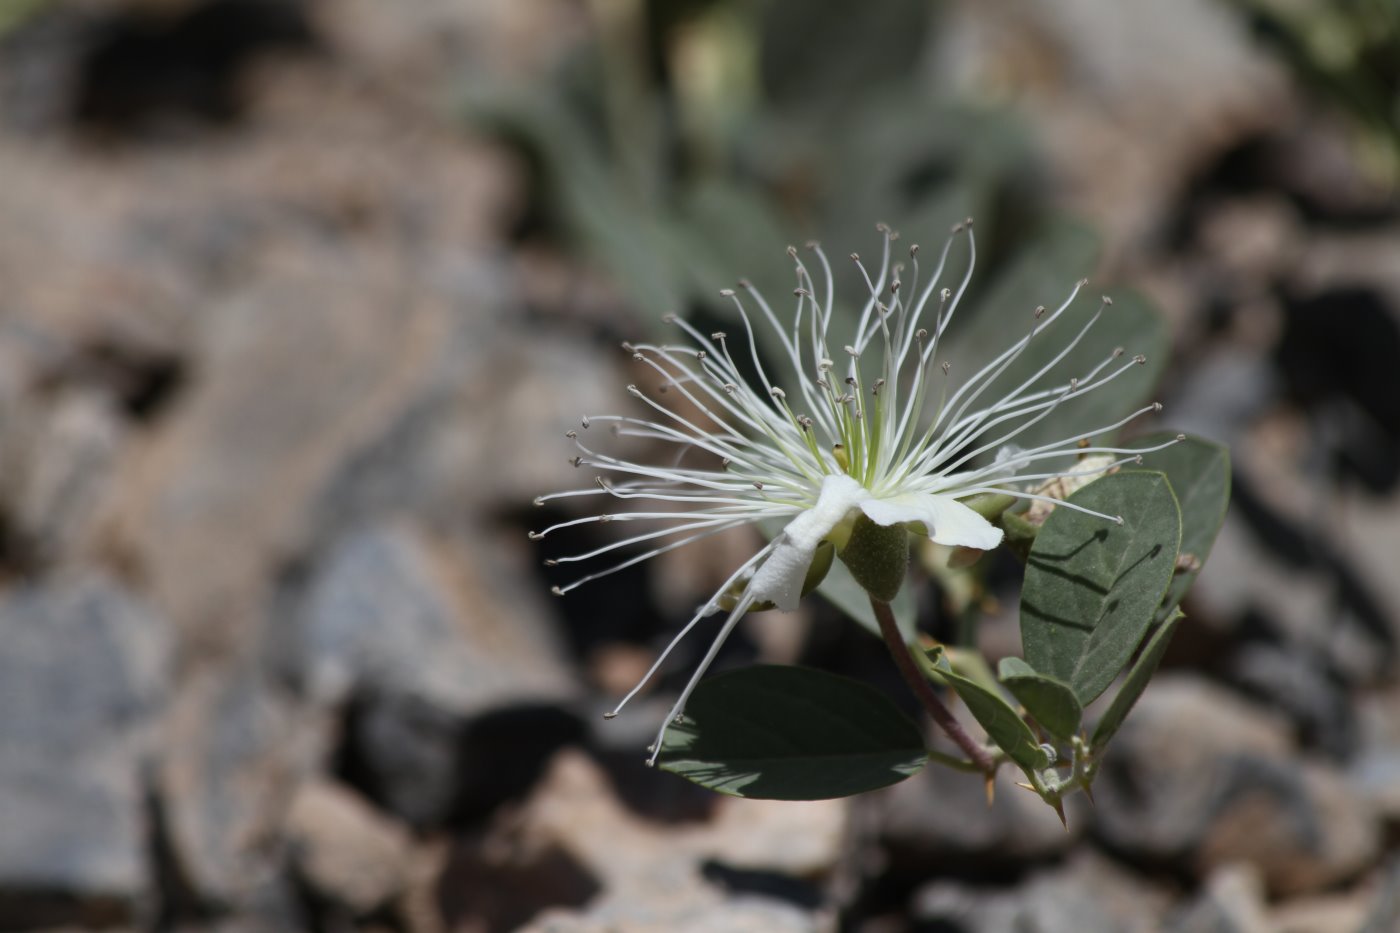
277, 384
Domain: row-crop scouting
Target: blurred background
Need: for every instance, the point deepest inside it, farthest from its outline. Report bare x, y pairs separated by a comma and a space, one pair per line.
298, 297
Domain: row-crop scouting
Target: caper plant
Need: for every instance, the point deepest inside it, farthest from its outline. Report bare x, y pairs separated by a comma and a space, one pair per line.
851, 436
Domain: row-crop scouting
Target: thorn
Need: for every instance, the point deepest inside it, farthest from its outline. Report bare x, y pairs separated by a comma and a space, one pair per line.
1059, 806
991, 789
1088, 793
1028, 787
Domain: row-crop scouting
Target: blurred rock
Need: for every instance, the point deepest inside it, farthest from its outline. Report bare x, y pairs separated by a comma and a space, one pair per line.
236, 749
451, 682
1375, 771
1298, 685
940, 818
1384, 913
1087, 893
393, 607
305, 316
60, 458
83, 682
1344, 913
1199, 779
1128, 99
347, 852
649, 877
1232, 901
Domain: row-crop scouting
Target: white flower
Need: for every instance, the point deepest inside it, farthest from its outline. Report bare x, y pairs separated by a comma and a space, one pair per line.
823, 445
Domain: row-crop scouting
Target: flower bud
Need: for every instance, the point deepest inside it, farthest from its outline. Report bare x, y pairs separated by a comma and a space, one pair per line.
878, 557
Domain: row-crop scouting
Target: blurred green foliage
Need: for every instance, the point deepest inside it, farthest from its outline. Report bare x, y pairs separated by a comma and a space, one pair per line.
684, 144
14, 12
1348, 53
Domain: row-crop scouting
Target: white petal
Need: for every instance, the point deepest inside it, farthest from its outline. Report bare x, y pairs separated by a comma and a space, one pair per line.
780, 578
948, 521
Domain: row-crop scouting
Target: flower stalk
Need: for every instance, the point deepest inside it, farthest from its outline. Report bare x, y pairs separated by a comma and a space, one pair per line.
909, 670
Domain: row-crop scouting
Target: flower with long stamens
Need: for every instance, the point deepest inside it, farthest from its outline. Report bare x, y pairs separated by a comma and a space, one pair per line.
856, 437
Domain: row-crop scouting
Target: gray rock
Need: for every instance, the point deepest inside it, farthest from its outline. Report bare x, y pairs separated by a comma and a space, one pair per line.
453, 684
636, 875
56, 458
236, 749
349, 854
941, 817
83, 680
1375, 770
1087, 893
1199, 779
394, 607
1295, 683
1384, 913
1231, 902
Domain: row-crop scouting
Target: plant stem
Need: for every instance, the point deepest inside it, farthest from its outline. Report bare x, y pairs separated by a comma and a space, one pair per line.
908, 668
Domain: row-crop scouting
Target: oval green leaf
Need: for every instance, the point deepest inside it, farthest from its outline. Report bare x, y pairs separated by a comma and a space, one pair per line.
1199, 472
1092, 586
996, 717
1136, 682
776, 732
1050, 702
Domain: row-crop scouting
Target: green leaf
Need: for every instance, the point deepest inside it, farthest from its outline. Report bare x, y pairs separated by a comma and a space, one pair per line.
1092, 586
822, 62
996, 716
790, 733
842, 591
1051, 702
1199, 472
603, 209
1136, 682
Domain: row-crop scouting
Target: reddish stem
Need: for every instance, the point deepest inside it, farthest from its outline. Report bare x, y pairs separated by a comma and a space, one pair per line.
908, 667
